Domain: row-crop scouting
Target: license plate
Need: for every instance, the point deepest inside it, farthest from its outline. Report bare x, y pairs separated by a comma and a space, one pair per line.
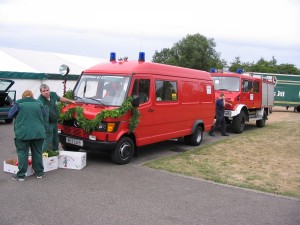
74, 141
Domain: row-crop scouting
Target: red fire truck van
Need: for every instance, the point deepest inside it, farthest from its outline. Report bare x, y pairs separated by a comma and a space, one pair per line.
167, 102
248, 98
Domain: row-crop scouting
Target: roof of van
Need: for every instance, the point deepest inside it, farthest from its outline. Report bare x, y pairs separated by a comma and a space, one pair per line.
132, 67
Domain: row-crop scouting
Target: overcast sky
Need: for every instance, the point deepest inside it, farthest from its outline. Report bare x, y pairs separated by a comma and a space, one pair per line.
250, 29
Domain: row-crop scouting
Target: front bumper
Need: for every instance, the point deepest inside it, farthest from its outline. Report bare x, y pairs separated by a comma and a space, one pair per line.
88, 145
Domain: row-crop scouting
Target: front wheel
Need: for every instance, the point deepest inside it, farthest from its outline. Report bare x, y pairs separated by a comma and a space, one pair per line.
123, 152
238, 123
195, 139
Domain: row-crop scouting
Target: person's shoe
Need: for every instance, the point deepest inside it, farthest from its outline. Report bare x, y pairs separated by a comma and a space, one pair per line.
15, 177
225, 134
211, 134
40, 176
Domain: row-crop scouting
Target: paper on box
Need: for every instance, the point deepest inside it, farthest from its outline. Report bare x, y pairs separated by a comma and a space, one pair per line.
50, 163
71, 160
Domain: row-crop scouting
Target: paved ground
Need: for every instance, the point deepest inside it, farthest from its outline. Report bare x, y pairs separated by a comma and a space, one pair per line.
104, 193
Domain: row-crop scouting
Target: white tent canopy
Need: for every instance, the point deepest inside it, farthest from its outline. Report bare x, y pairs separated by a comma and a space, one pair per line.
28, 61
19, 60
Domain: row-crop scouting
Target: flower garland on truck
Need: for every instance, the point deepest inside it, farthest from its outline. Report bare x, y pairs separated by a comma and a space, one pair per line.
92, 125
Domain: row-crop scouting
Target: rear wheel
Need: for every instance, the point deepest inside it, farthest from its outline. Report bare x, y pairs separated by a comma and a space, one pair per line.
261, 123
238, 123
123, 152
194, 139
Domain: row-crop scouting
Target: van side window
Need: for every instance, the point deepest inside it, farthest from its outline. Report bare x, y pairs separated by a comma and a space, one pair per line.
141, 88
166, 90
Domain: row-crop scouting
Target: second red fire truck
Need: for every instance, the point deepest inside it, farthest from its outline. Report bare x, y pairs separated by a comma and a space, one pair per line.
248, 98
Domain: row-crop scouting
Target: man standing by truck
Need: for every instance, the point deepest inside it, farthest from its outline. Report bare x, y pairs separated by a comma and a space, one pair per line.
49, 100
220, 119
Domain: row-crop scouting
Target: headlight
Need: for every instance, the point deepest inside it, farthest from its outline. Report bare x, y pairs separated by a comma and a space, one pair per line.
102, 127
107, 127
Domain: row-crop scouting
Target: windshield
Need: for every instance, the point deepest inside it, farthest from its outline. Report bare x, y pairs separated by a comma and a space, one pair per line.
226, 83
102, 89
5, 84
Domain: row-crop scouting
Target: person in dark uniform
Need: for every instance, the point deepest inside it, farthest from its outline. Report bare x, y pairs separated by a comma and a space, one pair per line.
29, 130
49, 100
220, 119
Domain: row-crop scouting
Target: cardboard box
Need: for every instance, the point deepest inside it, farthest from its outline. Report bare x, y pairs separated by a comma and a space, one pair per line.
50, 163
71, 160
10, 167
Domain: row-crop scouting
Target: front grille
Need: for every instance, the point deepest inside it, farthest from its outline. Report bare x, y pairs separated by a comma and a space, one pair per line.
79, 132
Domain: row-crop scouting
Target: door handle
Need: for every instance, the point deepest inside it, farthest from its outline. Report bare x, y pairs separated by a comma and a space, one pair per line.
150, 110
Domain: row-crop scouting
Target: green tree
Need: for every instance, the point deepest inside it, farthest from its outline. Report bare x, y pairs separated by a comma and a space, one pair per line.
194, 51
237, 64
263, 66
287, 69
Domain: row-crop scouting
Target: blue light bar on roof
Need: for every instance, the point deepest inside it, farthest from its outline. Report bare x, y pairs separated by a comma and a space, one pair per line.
239, 70
112, 56
212, 70
142, 57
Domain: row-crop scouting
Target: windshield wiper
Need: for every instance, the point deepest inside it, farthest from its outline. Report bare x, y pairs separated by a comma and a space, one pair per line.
77, 97
94, 99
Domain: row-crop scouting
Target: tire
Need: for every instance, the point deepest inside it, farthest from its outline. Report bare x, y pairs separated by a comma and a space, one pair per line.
123, 152
261, 123
297, 108
194, 139
238, 123
9, 120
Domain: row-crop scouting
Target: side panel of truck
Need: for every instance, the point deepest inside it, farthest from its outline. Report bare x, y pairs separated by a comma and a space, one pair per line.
267, 94
172, 114
287, 89
176, 117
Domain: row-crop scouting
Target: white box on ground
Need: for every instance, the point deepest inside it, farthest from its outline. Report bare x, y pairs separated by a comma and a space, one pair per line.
71, 160
10, 167
50, 163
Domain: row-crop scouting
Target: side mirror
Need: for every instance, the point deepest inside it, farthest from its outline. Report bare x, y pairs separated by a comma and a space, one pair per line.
136, 101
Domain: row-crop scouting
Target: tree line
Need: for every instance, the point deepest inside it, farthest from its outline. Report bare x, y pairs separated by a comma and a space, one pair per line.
198, 52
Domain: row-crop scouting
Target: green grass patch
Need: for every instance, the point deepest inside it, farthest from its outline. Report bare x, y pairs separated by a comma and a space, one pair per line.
266, 159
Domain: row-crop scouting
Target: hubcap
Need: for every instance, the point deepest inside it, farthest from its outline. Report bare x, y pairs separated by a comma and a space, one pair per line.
125, 151
198, 137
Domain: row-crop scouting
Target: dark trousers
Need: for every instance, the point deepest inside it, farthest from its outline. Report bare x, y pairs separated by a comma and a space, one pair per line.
220, 121
51, 140
37, 159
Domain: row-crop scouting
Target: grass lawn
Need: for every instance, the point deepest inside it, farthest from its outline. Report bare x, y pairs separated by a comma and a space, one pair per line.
266, 159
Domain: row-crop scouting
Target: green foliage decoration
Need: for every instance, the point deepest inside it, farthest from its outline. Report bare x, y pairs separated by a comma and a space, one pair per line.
92, 125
